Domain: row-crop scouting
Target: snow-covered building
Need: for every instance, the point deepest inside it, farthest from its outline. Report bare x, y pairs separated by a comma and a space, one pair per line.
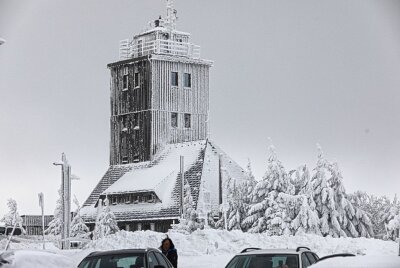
159, 117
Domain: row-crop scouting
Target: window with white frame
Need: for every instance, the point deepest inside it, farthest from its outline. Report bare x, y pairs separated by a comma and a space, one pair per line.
187, 80
174, 79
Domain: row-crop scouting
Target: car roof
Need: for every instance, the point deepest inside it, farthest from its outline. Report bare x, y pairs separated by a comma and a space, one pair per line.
253, 251
121, 251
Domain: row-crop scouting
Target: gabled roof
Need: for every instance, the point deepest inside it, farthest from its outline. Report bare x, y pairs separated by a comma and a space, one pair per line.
160, 178
204, 165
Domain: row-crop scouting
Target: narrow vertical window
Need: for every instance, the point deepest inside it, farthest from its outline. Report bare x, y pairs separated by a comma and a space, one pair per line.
125, 78
187, 80
137, 79
125, 82
174, 119
174, 79
187, 121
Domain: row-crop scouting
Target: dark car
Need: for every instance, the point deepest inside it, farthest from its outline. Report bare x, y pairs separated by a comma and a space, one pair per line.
301, 257
126, 258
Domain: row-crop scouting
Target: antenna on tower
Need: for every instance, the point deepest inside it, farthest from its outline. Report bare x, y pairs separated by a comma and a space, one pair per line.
171, 15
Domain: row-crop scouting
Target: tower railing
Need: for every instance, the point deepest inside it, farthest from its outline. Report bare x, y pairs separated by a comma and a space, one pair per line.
133, 49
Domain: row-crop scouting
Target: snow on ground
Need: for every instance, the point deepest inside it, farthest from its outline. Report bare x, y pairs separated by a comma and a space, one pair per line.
214, 248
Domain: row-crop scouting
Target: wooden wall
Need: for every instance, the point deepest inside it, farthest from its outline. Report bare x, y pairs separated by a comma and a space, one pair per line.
130, 113
167, 99
141, 116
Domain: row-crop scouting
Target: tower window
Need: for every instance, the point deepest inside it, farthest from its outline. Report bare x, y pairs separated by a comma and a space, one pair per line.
187, 121
137, 79
174, 79
125, 82
174, 119
187, 80
124, 160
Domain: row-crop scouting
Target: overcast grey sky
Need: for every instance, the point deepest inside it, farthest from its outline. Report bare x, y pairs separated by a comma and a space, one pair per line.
300, 72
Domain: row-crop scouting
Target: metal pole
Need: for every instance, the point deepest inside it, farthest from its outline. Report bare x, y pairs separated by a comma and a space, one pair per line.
66, 201
41, 204
182, 172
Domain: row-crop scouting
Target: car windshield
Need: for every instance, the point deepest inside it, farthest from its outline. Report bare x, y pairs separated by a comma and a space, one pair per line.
114, 261
265, 261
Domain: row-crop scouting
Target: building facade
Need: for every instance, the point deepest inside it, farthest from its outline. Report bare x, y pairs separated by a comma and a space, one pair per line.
159, 115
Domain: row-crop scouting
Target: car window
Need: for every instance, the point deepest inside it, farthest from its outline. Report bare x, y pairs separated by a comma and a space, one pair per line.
311, 257
264, 261
161, 260
316, 256
239, 262
120, 261
152, 260
304, 261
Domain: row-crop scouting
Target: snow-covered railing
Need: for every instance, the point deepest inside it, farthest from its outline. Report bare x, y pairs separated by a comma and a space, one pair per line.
166, 47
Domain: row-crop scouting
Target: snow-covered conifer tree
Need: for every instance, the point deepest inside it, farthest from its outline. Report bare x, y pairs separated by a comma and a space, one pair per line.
78, 226
324, 197
12, 218
268, 213
306, 219
189, 221
374, 207
361, 219
391, 219
55, 226
105, 222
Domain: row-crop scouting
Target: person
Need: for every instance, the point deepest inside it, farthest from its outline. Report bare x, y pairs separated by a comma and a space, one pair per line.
168, 249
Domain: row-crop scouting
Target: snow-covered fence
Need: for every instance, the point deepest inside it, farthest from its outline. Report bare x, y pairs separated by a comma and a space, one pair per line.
132, 49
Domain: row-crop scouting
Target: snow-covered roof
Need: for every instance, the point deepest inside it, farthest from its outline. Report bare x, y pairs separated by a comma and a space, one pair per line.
204, 163
160, 178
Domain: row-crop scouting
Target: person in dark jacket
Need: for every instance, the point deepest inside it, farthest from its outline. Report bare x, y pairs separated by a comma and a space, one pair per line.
169, 250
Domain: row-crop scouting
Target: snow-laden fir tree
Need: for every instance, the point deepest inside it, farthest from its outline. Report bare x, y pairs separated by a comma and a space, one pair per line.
306, 219
353, 219
232, 208
269, 210
105, 222
246, 189
324, 197
78, 226
12, 218
391, 219
55, 226
362, 218
376, 207
189, 221
346, 212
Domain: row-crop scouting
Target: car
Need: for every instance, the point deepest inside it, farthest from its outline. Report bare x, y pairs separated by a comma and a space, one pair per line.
126, 258
35, 259
366, 261
301, 257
